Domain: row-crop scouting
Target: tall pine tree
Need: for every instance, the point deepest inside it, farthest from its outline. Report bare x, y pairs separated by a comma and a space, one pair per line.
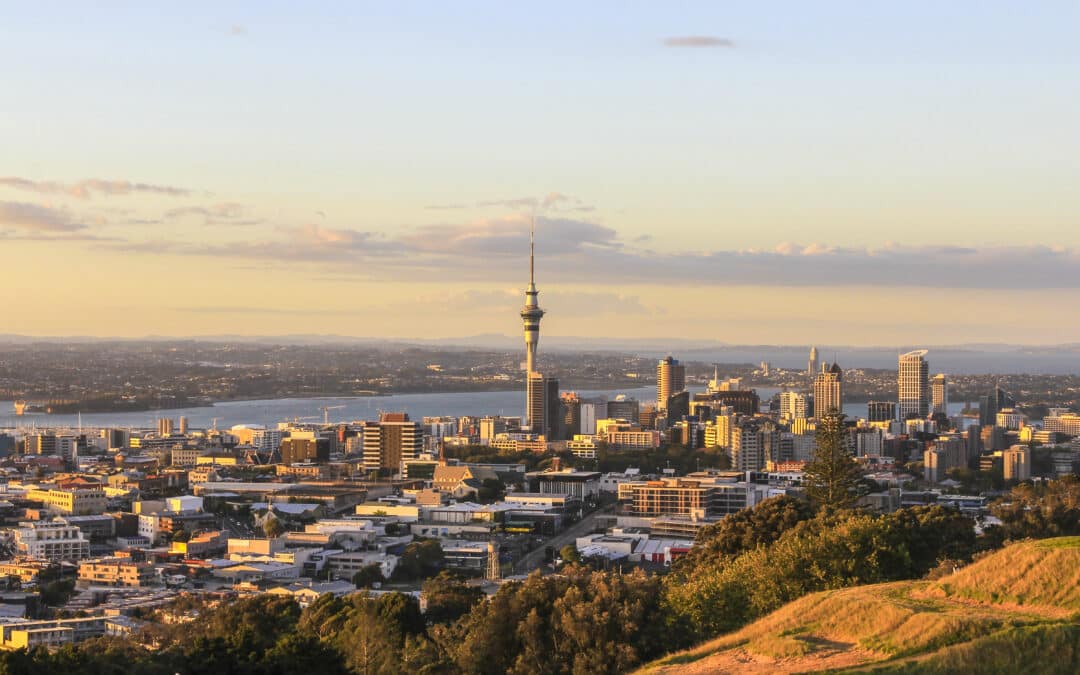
830, 477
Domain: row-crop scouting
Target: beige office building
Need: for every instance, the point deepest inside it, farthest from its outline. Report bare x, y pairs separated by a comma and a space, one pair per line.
670, 380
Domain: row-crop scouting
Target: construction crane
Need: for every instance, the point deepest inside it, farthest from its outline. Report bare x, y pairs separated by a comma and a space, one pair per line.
326, 412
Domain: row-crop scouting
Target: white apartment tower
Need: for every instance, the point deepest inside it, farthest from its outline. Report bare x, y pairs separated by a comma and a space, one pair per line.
939, 395
913, 385
828, 391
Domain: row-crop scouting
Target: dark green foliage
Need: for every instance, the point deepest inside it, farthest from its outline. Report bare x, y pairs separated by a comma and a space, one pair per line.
830, 478
368, 576
569, 553
749, 528
1038, 511
56, 593
449, 598
582, 622
491, 489
273, 527
931, 534
372, 634
421, 559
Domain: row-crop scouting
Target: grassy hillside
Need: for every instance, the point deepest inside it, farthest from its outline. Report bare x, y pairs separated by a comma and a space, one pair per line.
1017, 607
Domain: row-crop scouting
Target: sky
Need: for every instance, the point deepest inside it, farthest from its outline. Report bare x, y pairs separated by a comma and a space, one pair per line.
748, 172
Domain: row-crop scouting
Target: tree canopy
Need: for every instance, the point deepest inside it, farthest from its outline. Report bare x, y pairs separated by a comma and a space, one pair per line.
830, 477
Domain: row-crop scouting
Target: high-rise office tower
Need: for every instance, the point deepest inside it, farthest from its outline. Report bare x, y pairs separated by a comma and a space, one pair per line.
913, 384
623, 408
670, 380
390, 442
812, 366
571, 414
183, 426
297, 450
880, 411
543, 407
165, 426
990, 405
939, 395
794, 406
828, 391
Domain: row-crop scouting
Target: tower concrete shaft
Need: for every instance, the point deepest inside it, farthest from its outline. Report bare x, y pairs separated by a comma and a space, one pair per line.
531, 313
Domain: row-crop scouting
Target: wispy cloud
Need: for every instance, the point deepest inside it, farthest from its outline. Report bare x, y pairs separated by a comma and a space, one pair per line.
225, 213
35, 217
237, 30
307, 243
508, 237
85, 189
282, 311
9, 235
698, 41
552, 201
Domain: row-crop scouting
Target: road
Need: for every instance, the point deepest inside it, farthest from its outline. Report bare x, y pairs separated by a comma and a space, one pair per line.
535, 559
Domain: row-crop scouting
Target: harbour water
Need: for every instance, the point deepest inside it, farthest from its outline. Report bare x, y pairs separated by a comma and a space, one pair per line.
270, 412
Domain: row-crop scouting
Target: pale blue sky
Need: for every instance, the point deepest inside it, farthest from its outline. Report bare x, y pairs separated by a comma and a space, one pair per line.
332, 127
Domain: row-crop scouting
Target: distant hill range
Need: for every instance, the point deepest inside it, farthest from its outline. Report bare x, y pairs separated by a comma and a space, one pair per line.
1016, 611
972, 358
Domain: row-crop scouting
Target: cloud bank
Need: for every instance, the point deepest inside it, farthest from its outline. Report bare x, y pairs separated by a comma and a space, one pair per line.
25, 216
579, 251
85, 189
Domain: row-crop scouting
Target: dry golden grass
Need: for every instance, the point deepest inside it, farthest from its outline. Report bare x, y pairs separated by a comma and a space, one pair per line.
1043, 574
1026, 584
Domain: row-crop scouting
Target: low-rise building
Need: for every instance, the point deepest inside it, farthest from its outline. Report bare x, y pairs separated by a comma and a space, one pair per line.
696, 498
26, 570
116, 572
51, 540
201, 544
73, 502
581, 484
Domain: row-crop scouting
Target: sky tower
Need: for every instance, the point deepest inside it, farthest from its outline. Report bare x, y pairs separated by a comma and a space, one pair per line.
531, 313
542, 406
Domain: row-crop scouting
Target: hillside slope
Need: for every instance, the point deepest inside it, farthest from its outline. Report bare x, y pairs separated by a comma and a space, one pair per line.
1017, 609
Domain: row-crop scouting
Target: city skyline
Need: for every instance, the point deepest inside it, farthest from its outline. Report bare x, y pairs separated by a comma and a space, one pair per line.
266, 404
181, 176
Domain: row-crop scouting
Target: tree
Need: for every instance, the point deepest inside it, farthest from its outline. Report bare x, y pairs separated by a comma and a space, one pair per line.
578, 622
570, 554
491, 489
1038, 511
747, 529
420, 559
448, 598
181, 535
273, 528
368, 575
57, 592
831, 475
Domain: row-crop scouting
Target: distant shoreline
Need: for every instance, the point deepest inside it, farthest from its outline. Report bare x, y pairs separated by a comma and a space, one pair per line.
203, 403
